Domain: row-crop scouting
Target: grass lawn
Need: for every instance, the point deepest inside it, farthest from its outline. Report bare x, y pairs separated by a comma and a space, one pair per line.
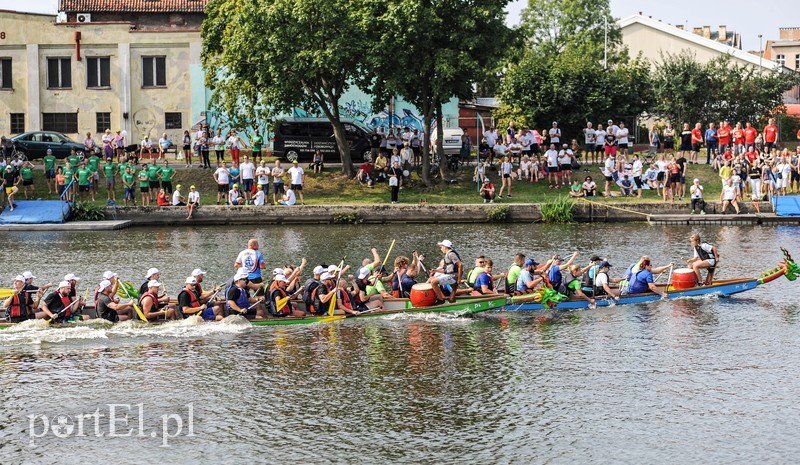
331, 187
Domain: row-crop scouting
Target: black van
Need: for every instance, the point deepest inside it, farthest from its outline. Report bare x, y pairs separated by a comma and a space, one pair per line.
298, 138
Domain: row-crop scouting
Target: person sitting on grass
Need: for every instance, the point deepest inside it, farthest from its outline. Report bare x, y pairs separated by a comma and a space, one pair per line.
289, 198
626, 186
364, 174
589, 187
487, 191
576, 189
317, 163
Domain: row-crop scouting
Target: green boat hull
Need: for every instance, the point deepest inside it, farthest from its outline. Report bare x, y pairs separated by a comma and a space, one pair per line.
468, 306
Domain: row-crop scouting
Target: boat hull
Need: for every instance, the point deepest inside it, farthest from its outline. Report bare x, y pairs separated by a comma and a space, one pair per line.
724, 288
465, 306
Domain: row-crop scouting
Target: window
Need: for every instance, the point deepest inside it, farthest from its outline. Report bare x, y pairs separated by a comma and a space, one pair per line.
103, 121
294, 129
5, 73
60, 122
797, 61
154, 71
17, 123
59, 73
173, 120
780, 59
98, 72
320, 130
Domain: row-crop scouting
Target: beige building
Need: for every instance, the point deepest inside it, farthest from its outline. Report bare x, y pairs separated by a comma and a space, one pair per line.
786, 50
88, 76
653, 38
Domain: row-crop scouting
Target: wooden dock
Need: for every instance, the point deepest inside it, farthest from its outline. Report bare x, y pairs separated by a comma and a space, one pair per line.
727, 219
71, 226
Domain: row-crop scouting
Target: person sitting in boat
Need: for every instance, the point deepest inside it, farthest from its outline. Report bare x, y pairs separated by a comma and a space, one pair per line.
345, 303
107, 308
643, 281
376, 286
361, 280
322, 294
602, 282
73, 284
513, 273
705, 257
472, 275
114, 279
16, 305
149, 302
484, 283
526, 281
449, 272
189, 302
58, 305
554, 273
635, 267
310, 285
33, 294
280, 304
573, 282
152, 275
238, 302
402, 278
587, 278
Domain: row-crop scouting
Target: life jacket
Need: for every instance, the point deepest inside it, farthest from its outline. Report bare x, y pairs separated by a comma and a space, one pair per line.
701, 252
599, 290
473, 274
319, 307
555, 277
151, 295
194, 301
587, 280
345, 298
401, 284
17, 308
308, 294
449, 265
242, 301
274, 296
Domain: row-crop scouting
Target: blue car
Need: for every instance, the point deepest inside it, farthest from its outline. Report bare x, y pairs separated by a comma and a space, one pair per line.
34, 144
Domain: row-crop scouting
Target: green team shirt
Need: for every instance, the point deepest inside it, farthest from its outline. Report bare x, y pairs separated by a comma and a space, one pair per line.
93, 162
166, 173
121, 168
84, 174
68, 174
73, 160
152, 172
144, 179
109, 169
376, 289
128, 179
513, 274
257, 142
49, 162
26, 172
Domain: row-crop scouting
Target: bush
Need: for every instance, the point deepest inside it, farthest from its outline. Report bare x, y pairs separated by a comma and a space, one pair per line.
558, 210
347, 217
498, 214
86, 211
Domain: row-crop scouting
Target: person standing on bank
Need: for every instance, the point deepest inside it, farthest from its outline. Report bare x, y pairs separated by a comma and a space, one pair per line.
394, 181
298, 177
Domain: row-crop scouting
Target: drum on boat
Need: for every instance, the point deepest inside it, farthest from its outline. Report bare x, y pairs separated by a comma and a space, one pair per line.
422, 295
683, 278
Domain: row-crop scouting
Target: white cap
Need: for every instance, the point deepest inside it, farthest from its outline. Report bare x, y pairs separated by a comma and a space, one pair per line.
109, 275
333, 268
325, 276
63, 284
153, 283
281, 277
277, 271
696, 180
28, 275
71, 277
319, 270
151, 272
19, 278
363, 272
105, 284
197, 272
446, 243
239, 275
191, 280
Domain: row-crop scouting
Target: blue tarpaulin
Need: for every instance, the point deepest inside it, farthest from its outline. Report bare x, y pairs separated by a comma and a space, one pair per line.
35, 212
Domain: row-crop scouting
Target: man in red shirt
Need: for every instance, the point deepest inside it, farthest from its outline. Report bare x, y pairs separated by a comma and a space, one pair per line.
697, 141
750, 134
751, 154
770, 135
724, 133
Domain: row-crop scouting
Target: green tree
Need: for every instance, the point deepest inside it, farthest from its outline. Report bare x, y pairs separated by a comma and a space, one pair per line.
430, 51
554, 26
265, 57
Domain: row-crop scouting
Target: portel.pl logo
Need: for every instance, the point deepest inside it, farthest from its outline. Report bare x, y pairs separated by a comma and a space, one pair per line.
112, 421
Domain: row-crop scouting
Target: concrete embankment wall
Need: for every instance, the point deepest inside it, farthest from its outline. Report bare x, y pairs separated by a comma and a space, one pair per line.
381, 214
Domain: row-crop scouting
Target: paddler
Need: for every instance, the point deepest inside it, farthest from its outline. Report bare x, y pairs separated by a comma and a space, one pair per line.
310, 285
190, 304
402, 278
33, 294
643, 281
279, 303
705, 256
107, 308
114, 279
602, 282
484, 283
555, 275
473, 274
73, 284
16, 306
573, 282
345, 303
587, 278
525, 281
448, 274
513, 273
163, 301
152, 275
58, 305
322, 294
205, 296
361, 281
149, 302
237, 301
376, 286
253, 261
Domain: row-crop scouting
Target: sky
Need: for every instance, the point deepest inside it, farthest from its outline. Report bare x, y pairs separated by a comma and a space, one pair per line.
760, 18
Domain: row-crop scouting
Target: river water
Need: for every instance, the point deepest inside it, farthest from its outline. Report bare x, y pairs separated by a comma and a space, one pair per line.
705, 380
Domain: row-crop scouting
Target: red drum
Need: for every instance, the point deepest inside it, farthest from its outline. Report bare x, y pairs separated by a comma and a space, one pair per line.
422, 295
683, 278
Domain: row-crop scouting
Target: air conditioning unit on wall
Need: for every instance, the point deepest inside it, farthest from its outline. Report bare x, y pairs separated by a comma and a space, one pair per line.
84, 18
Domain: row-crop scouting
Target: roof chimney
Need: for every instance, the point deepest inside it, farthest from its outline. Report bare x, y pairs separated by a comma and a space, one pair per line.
679, 26
723, 33
697, 30
707, 32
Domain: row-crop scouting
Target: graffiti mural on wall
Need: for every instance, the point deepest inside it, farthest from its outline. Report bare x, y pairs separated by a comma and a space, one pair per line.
217, 122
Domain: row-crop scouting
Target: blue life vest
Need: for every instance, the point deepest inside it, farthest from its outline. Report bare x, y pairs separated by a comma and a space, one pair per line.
242, 301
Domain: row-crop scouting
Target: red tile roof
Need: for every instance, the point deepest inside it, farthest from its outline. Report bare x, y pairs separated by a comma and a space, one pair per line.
132, 6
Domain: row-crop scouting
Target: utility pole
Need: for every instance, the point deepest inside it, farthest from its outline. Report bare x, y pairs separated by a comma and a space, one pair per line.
760, 50
605, 46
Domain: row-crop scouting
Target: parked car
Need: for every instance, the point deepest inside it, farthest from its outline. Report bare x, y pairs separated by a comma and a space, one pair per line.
451, 140
34, 144
298, 138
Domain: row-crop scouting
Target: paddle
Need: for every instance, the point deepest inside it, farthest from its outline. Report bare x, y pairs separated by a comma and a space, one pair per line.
280, 303
388, 253
63, 310
332, 306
